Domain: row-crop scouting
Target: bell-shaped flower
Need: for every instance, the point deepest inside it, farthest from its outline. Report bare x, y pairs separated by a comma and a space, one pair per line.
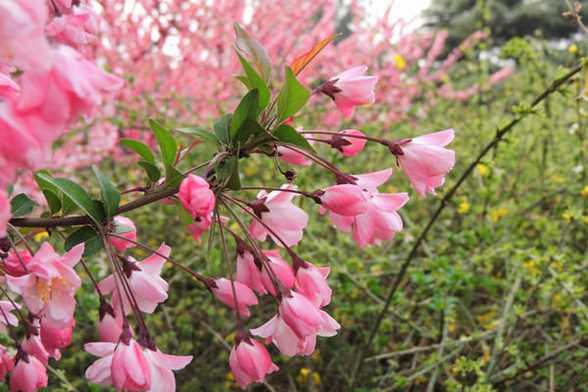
48, 289
33, 346
278, 332
351, 88
293, 157
144, 280
286, 222
6, 363
223, 290
15, 264
255, 274
123, 227
250, 362
161, 367
304, 318
56, 338
311, 281
196, 196
349, 146
200, 225
425, 160
344, 199
28, 374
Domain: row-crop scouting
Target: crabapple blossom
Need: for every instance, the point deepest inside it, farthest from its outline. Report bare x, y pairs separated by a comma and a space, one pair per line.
250, 362
344, 199
16, 263
6, 363
292, 156
6, 316
255, 275
28, 374
161, 366
425, 160
351, 88
56, 338
303, 317
8, 87
4, 212
144, 279
196, 196
311, 281
33, 346
200, 225
124, 227
49, 287
352, 145
77, 28
223, 290
280, 218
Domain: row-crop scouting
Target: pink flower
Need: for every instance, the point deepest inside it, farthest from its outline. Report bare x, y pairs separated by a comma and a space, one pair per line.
277, 212
257, 277
76, 28
161, 366
16, 265
223, 290
124, 227
56, 338
34, 347
8, 88
7, 308
110, 327
278, 332
29, 374
293, 157
351, 146
6, 363
425, 160
49, 287
311, 281
4, 212
344, 199
144, 280
351, 88
304, 318
123, 365
250, 362
380, 221
196, 196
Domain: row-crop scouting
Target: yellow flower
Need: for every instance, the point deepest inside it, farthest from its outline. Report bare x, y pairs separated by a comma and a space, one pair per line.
573, 48
391, 189
584, 192
557, 178
399, 62
585, 219
41, 236
497, 214
483, 170
463, 207
303, 375
567, 216
531, 267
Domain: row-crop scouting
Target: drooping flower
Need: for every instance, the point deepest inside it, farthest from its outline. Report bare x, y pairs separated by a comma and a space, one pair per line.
49, 287
285, 220
350, 146
28, 375
305, 318
123, 227
351, 88
223, 290
196, 196
200, 225
425, 160
344, 199
250, 362
33, 346
6, 363
15, 264
144, 279
255, 274
76, 28
56, 338
380, 221
6, 315
311, 281
161, 366
292, 157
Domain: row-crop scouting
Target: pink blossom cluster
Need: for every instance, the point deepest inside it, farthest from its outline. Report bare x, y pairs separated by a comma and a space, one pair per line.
46, 83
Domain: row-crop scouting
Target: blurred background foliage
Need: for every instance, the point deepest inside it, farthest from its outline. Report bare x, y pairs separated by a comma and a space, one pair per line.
496, 299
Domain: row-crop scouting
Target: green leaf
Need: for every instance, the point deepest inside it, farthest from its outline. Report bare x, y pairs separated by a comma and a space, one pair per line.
206, 136
21, 205
247, 109
243, 79
110, 195
173, 177
87, 235
52, 200
152, 171
221, 128
76, 194
256, 82
292, 97
227, 172
167, 143
248, 129
140, 148
289, 135
250, 48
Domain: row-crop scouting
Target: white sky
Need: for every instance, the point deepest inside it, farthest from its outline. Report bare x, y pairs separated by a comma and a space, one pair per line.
406, 9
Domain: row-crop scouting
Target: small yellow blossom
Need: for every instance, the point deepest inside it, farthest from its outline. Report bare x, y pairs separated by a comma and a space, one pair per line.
573, 48
41, 236
567, 216
531, 267
497, 214
303, 375
488, 319
483, 170
557, 300
585, 219
557, 179
584, 192
399, 62
316, 378
485, 355
463, 207
230, 377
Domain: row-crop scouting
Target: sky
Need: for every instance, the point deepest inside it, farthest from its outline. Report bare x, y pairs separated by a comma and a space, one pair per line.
406, 9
